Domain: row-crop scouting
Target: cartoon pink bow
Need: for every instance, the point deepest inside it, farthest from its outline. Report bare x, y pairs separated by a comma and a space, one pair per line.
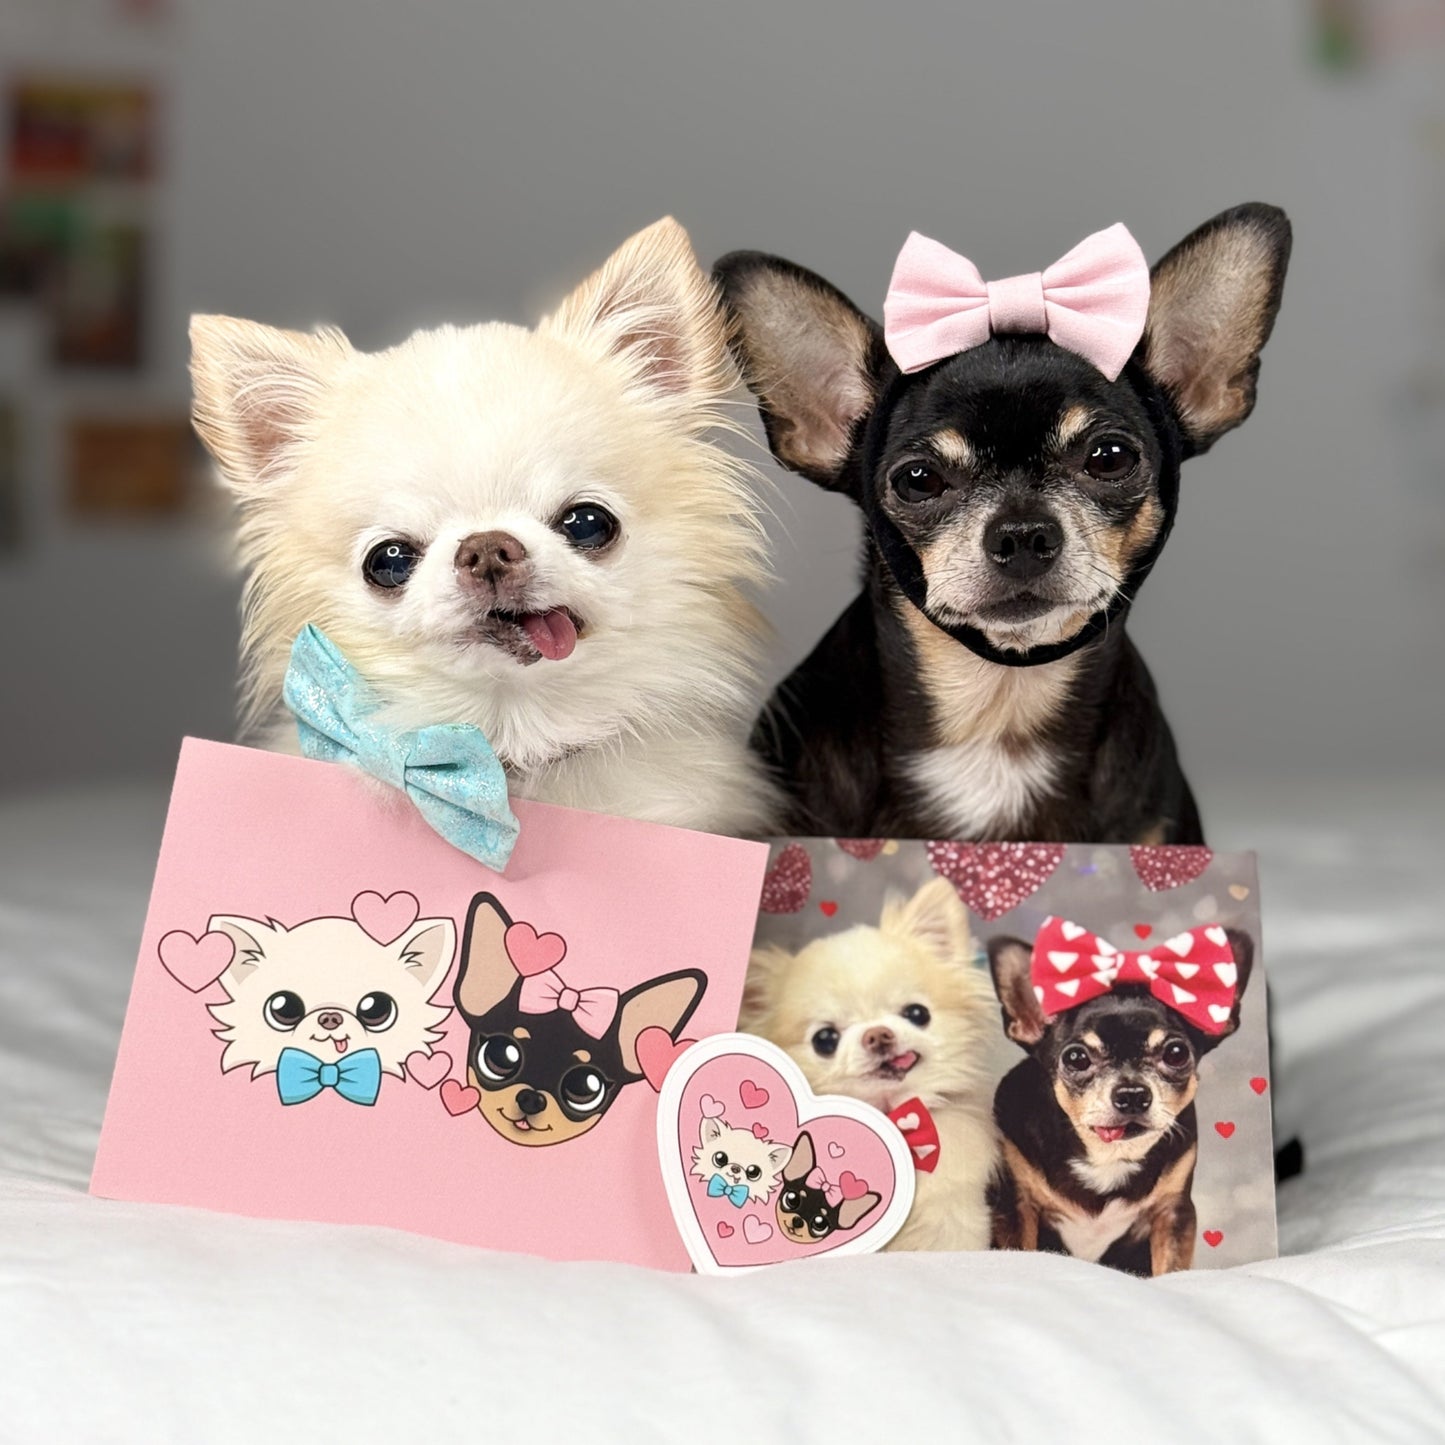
1093, 302
593, 1008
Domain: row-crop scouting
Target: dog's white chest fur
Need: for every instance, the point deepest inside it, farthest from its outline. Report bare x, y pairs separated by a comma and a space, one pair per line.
1088, 1236
980, 787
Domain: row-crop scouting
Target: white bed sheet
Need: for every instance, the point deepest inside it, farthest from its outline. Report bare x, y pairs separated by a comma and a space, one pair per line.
127, 1322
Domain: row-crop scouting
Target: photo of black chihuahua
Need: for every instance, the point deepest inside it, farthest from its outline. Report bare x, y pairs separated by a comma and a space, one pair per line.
1098, 1127
981, 687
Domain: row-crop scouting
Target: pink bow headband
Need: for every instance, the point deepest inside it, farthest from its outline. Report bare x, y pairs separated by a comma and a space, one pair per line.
1093, 302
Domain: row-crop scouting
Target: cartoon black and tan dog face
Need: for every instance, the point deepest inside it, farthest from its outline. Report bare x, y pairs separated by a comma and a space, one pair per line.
1026, 485
1123, 1067
804, 1211
547, 1068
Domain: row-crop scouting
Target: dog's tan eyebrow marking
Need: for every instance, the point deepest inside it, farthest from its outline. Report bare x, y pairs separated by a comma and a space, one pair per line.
1074, 421
951, 446
521, 1033
1094, 1042
582, 1056
1156, 1037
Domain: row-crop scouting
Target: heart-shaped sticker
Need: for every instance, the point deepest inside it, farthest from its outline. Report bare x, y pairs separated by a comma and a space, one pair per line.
428, 1069
864, 1205
532, 952
384, 920
196, 962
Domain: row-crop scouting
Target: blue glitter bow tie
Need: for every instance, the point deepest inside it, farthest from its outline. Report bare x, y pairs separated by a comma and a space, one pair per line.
449, 771
301, 1076
719, 1188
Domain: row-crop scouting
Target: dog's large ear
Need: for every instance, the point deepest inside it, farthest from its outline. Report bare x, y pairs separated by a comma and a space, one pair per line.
710, 1131
765, 967
486, 973
812, 358
653, 308
1212, 305
251, 939
802, 1161
425, 950
936, 917
850, 1211
257, 394
1010, 960
660, 1003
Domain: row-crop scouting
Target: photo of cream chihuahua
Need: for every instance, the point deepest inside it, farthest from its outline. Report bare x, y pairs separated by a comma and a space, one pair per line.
535, 532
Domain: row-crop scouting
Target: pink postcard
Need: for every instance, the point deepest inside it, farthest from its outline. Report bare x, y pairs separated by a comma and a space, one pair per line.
338, 1016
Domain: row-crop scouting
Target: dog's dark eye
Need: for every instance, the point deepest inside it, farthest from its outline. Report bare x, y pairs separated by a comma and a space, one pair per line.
753, 1172
918, 482
825, 1042
917, 1014
818, 1225
1176, 1054
582, 1091
587, 526
1111, 459
719, 1160
1076, 1059
284, 1010
789, 1200
499, 1059
390, 564
377, 1012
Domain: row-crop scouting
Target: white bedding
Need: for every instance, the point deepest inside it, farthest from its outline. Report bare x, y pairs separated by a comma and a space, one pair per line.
126, 1322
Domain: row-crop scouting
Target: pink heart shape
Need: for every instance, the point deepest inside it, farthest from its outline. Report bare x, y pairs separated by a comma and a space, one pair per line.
458, 1098
872, 1197
992, 878
532, 952
384, 920
657, 1050
196, 962
755, 1230
712, 1108
428, 1069
725, 1230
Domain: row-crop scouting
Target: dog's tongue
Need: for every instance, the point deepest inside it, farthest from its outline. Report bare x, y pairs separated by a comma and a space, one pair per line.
1111, 1133
552, 633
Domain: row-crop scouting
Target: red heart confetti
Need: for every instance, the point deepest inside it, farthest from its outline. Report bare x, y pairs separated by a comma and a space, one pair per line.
1258, 1084
725, 1230
1169, 866
864, 849
753, 1096
828, 907
1142, 930
1224, 1128
459, 1098
1214, 1238
992, 878
788, 882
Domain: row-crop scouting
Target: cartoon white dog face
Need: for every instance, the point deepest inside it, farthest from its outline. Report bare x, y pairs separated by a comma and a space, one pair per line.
739, 1157
326, 986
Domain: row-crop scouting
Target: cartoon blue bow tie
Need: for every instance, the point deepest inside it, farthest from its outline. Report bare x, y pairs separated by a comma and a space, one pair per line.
449, 771
301, 1076
736, 1194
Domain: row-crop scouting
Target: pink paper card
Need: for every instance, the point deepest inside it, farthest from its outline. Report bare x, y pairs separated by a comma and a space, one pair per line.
338, 1016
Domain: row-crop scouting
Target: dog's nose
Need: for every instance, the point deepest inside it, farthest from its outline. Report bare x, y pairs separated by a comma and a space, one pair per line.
489, 554
329, 1020
1023, 547
880, 1041
530, 1102
1132, 1099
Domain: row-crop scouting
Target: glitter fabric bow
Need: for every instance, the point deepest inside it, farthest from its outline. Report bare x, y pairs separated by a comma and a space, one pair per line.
449, 771
1093, 302
1194, 973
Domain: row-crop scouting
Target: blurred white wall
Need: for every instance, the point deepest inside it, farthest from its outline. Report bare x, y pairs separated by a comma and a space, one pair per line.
382, 164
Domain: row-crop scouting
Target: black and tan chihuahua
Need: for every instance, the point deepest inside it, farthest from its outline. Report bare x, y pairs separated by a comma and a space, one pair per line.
981, 686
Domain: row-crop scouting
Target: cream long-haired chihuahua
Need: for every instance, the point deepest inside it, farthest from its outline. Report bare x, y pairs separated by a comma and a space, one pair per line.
533, 531
887, 1014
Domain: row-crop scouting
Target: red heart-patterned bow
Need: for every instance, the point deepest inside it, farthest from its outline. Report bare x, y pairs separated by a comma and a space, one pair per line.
1194, 973
919, 1131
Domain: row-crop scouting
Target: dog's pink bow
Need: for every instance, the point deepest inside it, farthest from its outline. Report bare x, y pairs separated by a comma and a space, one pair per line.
593, 1008
1093, 302
1194, 973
